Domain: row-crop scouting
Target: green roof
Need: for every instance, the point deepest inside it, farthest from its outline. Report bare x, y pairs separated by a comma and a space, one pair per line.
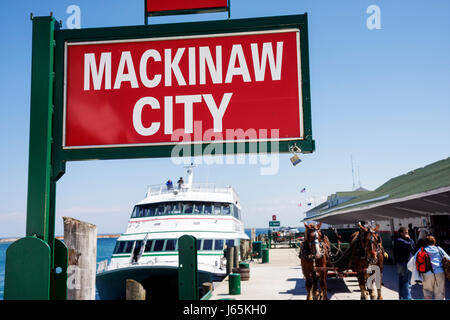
430, 177
351, 193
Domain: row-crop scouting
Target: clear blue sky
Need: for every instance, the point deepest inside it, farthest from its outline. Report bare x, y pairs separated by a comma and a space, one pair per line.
382, 96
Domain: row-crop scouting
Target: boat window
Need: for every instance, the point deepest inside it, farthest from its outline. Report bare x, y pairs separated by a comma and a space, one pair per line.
173, 208
170, 208
144, 212
198, 208
128, 247
171, 244
207, 244
226, 209
199, 243
236, 212
120, 245
216, 209
159, 210
218, 244
188, 208
148, 246
230, 243
208, 208
149, 211
159, 244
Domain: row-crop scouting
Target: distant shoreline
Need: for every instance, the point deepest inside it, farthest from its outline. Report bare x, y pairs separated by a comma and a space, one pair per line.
100, 236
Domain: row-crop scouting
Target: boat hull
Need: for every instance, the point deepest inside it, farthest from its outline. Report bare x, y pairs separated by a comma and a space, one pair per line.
160, 282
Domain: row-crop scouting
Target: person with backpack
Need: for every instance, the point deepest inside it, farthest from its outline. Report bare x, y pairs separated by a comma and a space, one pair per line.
427, 265
404, 249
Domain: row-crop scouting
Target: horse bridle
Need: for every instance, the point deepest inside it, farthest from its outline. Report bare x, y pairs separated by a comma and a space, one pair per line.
369, 259
317, 243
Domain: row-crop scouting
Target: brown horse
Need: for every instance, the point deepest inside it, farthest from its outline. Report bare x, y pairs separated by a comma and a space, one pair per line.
367, 255
314, 254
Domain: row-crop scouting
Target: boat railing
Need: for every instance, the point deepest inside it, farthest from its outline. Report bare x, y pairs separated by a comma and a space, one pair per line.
154, 190
102, 266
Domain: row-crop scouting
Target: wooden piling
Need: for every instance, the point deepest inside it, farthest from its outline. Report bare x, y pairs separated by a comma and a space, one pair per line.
235, 257
135, 290
207, 286
230, 258
81, 240
244, 247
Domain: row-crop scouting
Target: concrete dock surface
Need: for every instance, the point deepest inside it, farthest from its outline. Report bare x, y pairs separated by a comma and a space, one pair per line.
282, 279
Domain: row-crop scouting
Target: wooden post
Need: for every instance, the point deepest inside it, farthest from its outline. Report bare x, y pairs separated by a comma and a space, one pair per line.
135, 290
230, 256
242, 250
235, 257
253, 235
207, 286
81, 240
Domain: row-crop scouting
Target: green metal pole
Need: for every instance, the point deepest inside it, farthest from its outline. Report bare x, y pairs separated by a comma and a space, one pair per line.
39, 163
187, 268
29, 260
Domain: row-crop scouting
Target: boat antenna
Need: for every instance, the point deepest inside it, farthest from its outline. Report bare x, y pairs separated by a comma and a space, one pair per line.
353, 175
359, 178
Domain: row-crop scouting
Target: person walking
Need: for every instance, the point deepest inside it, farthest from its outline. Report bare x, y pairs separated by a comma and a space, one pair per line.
404, 249
433, 281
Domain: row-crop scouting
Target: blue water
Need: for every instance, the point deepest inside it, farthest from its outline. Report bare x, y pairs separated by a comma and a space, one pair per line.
105, 249
3, 247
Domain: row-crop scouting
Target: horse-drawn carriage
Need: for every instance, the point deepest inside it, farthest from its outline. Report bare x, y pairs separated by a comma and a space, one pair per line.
339, 260
327, 252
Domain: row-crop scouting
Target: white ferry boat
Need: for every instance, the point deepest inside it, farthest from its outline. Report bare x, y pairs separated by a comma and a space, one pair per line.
148, 251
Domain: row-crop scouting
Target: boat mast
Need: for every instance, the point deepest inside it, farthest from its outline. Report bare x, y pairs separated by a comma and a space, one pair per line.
190, 175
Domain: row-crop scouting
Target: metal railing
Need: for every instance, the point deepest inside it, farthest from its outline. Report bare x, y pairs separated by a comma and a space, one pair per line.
160, 189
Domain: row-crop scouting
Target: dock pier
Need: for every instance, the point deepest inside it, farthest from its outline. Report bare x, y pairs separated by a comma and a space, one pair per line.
282, 279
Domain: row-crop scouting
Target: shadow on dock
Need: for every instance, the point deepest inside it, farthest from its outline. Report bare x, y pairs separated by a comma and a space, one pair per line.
334, 286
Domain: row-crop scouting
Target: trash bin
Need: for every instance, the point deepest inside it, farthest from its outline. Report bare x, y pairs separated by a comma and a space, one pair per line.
257, 248
234, 283
265, 255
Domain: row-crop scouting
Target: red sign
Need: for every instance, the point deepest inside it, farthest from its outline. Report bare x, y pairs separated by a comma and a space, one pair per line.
274, 217
183, 5
213, 88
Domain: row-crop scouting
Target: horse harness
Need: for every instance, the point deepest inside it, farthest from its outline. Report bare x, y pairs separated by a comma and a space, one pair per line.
362, 250
306, 249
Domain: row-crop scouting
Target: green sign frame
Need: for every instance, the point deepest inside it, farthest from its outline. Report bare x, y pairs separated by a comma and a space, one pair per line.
42, 274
